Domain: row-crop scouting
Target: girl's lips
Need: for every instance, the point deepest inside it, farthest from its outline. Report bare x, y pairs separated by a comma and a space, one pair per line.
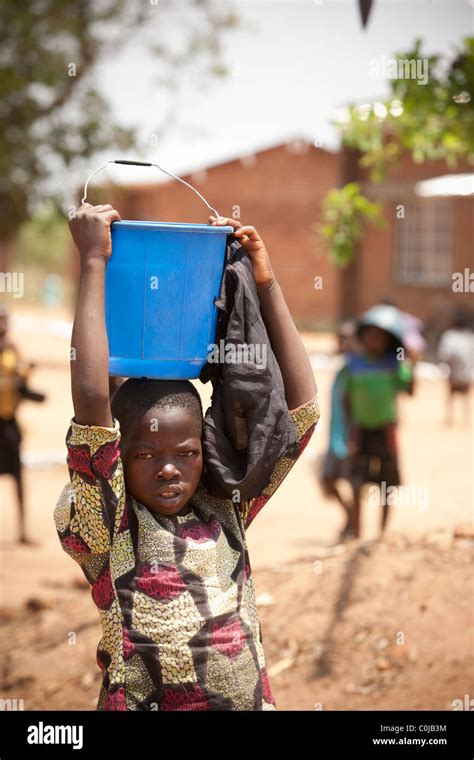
170, 495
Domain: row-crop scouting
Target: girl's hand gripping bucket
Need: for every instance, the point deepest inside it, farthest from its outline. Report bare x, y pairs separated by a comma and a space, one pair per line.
160, 286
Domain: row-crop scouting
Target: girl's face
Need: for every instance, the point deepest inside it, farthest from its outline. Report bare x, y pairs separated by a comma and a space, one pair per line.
162, 459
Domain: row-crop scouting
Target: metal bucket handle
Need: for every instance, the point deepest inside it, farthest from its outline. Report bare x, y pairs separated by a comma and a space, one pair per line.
143, 163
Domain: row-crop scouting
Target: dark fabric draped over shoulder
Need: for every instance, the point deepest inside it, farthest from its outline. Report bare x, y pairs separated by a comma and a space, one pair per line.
248, 426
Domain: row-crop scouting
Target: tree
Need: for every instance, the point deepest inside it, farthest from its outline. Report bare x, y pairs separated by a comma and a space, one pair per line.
345, 211
432, 120
52, 115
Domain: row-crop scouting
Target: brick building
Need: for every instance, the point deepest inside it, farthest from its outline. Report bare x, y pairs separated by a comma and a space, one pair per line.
279, 190
425, 240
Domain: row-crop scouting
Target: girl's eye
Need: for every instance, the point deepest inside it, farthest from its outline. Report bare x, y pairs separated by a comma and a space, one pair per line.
187, 453
144, 455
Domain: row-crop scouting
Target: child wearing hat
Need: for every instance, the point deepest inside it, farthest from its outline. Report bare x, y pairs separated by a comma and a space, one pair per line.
371, 381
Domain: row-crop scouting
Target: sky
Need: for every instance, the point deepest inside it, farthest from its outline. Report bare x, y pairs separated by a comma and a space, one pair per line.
293, 65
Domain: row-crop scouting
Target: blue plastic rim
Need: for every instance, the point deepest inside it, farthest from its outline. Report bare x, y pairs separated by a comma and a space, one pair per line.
161, 283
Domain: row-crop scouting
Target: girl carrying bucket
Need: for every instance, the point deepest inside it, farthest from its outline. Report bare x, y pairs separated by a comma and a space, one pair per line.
167, 562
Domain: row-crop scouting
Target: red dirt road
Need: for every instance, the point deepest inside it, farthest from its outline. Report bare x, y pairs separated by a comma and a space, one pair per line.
375, 626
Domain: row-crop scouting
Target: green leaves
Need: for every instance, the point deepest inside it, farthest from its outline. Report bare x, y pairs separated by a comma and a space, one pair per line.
345, 212
433, 120
430, 116
52, 116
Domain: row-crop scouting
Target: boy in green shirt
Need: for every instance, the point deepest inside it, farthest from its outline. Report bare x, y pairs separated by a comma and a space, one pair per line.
371, 381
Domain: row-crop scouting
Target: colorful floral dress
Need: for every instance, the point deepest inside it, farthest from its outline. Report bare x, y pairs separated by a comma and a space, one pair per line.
180, 629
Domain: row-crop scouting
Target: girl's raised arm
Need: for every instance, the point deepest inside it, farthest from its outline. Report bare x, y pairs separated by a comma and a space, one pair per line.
90, 229
296, 370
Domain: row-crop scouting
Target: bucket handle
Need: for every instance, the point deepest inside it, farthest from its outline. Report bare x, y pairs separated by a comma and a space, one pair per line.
146, 163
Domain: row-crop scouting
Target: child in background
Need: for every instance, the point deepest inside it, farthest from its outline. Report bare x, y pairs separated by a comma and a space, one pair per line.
456, 349
167, 562
14, 373
335, 465
371, 381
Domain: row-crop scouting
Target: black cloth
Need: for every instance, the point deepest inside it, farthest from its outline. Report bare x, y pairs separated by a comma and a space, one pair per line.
376, 459
247, 427
10, 440
334, 468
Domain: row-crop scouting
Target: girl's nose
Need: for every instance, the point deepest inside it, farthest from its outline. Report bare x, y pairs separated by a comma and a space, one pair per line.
168, 471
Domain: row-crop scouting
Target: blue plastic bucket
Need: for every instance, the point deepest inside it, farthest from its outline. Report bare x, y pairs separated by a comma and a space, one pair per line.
160, 286
161, 283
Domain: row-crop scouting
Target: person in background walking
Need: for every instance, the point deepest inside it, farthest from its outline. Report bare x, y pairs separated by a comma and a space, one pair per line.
14, 372
456, 349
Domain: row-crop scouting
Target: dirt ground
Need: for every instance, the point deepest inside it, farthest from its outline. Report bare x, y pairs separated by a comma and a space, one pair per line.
369, 625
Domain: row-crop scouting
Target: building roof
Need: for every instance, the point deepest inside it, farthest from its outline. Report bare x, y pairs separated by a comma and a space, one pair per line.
295, 143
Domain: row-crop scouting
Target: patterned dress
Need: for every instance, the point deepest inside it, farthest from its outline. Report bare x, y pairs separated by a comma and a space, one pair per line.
180, 629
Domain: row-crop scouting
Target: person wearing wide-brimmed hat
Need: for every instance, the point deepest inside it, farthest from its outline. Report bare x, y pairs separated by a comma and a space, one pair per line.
372, 379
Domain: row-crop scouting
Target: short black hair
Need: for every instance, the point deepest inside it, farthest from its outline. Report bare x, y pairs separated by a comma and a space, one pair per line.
137, 395
393, 343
